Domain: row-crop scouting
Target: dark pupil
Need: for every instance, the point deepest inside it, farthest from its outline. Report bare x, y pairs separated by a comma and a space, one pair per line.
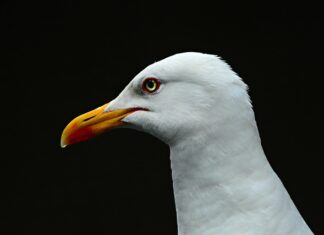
150, 84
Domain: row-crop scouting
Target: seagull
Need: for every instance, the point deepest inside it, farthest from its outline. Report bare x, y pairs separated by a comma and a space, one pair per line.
222, 180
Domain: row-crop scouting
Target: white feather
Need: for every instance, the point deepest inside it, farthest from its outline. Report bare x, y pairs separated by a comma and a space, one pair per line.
223, 183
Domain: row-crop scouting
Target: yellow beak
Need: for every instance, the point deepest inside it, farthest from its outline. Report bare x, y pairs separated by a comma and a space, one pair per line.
93, 123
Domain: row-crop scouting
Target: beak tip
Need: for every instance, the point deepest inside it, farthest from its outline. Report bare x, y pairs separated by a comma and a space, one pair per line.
63, 144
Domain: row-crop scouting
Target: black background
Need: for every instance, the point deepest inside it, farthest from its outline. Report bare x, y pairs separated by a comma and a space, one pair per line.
62, 58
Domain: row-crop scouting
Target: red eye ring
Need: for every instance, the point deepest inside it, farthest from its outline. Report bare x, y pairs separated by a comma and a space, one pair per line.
151, 85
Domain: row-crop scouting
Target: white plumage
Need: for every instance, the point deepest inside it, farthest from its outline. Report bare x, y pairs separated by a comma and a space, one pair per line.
223, 183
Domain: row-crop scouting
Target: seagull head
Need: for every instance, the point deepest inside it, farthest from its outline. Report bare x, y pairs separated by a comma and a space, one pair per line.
172, 99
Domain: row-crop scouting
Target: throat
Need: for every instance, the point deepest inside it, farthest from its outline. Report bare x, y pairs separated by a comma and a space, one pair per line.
215, 181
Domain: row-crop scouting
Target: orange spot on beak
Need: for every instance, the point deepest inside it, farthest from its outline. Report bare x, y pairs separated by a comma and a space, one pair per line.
81, 135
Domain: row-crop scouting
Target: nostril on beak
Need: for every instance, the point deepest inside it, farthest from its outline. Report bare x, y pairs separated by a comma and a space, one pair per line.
87, 119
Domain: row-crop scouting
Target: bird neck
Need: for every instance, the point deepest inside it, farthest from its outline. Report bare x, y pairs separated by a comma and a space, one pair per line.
225, 182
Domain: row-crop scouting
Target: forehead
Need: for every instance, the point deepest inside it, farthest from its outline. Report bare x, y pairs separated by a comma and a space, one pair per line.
184, 66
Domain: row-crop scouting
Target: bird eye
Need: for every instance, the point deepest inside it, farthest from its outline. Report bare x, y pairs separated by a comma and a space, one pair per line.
151, 85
